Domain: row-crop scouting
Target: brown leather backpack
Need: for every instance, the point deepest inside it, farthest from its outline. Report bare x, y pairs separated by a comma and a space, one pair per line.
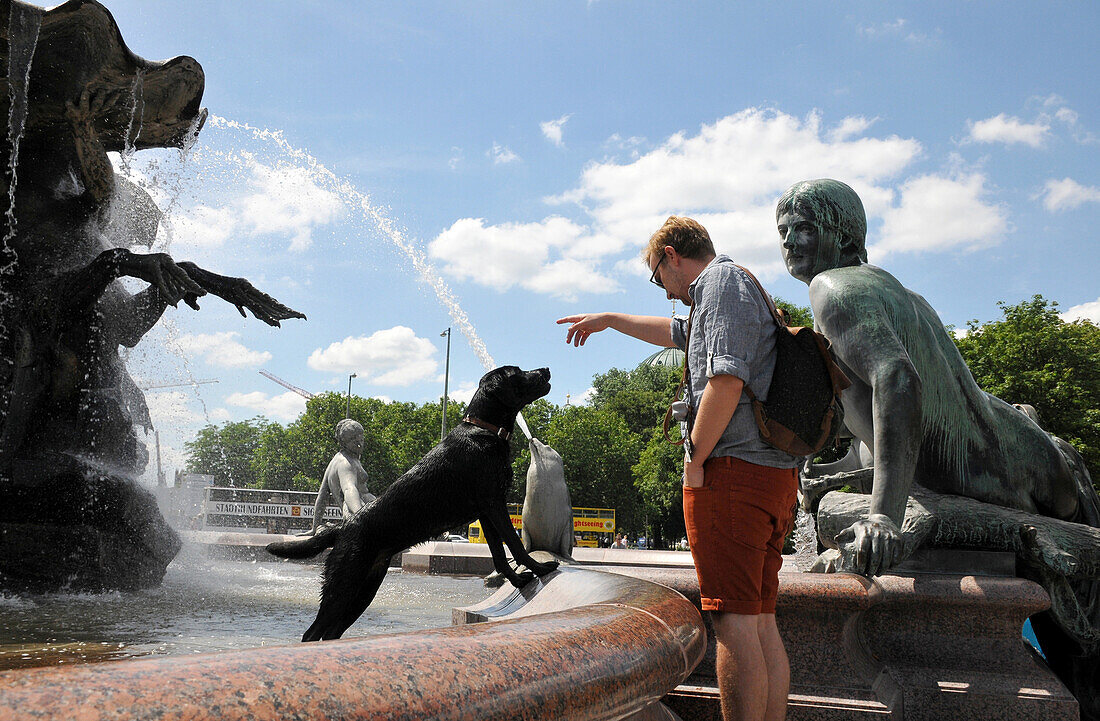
803, 413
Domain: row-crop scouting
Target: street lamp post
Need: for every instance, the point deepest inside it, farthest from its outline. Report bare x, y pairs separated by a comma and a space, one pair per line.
446, 378
347, 413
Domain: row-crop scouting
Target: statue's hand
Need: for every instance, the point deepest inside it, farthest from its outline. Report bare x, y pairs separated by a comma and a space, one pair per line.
872, 546
242, 294
160, 271
81, 115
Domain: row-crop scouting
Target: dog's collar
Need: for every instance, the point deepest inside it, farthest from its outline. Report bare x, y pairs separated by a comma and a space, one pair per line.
495, 430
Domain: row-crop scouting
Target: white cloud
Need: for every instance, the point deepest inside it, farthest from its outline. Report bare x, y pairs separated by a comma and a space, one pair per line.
502, 155
552, 256
170, 409
885, 28
395, 356
282, 201
727, 175
1066, 194
290, 202
584, 398
631, 144
1009, 130
463, 393
219, 415
1086, 311
456, 158
940, 213
222, 349
284, 407
202, 226
551, 129
1068, 117
896, 28
852, 125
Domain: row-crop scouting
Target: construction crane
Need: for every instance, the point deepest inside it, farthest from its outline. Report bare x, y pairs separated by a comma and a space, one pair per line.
271, 376
180, 384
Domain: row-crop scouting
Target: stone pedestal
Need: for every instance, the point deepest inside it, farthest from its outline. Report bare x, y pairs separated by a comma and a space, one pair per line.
81, 531
918, 646
915, 646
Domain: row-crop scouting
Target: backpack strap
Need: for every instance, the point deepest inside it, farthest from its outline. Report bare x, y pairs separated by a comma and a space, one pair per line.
781, 318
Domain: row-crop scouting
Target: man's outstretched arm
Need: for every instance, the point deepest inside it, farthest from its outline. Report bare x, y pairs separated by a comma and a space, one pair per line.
653, 329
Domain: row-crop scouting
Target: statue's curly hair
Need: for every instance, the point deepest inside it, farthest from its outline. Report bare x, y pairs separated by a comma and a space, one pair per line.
346, 428
831, 204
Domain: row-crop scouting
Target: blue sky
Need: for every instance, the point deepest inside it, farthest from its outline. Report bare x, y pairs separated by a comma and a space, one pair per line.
525, 151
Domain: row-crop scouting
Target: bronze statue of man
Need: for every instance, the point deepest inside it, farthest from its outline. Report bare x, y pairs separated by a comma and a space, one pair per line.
913, 401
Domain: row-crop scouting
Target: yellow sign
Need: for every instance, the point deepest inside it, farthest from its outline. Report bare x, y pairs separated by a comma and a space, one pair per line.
585, 520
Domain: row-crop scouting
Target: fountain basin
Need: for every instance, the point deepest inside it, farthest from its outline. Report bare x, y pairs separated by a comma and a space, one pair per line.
595, 646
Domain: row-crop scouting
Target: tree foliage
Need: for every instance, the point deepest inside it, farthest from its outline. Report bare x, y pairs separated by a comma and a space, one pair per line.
640, 396
294, 457
800, 315
1033, 356
598, 451
226, 452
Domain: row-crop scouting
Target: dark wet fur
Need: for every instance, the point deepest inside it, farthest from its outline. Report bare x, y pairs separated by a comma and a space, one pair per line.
465, 477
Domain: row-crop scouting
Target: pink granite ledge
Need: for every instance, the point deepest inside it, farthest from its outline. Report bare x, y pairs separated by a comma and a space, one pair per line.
607, 648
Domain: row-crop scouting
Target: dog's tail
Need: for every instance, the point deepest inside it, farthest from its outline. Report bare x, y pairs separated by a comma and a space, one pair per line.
308, 547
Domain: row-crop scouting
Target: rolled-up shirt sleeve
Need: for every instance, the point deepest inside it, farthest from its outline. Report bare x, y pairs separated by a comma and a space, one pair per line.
732, 326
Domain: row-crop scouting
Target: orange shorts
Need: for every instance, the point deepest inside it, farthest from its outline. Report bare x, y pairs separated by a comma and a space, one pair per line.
736, 523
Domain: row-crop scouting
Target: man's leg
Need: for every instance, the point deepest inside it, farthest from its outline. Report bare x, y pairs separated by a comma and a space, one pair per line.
741, 667
779, 668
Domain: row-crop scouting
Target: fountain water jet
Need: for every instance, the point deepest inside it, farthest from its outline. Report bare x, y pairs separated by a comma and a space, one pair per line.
361, 201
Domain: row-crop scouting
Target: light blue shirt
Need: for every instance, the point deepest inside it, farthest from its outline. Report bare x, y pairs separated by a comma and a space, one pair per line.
732, 333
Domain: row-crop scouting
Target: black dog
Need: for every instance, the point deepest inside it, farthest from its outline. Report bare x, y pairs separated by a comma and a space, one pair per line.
466, 476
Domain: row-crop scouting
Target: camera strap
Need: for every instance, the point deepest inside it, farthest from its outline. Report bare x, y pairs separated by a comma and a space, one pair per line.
685, 380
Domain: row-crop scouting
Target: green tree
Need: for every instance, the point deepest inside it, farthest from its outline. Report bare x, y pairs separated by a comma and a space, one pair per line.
272, 462
226, 451
1032, 356
598, 452
800, 314
640, 396
396, 436
658, 479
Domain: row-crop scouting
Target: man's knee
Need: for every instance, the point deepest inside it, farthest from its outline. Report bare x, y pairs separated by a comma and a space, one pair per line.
733, 628
765, 623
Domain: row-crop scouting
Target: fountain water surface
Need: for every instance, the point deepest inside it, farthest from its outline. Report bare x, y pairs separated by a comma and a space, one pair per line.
207, 605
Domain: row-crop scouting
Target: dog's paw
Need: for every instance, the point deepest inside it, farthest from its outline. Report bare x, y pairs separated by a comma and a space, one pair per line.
544, 568
520, 580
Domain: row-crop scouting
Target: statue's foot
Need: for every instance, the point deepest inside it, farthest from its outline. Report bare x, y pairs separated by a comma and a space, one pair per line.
827, 562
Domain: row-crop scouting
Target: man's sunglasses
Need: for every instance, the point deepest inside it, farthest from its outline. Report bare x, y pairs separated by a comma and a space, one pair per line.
653, 278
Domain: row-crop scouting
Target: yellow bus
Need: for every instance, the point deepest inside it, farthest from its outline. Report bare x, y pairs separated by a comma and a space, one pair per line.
588, 525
